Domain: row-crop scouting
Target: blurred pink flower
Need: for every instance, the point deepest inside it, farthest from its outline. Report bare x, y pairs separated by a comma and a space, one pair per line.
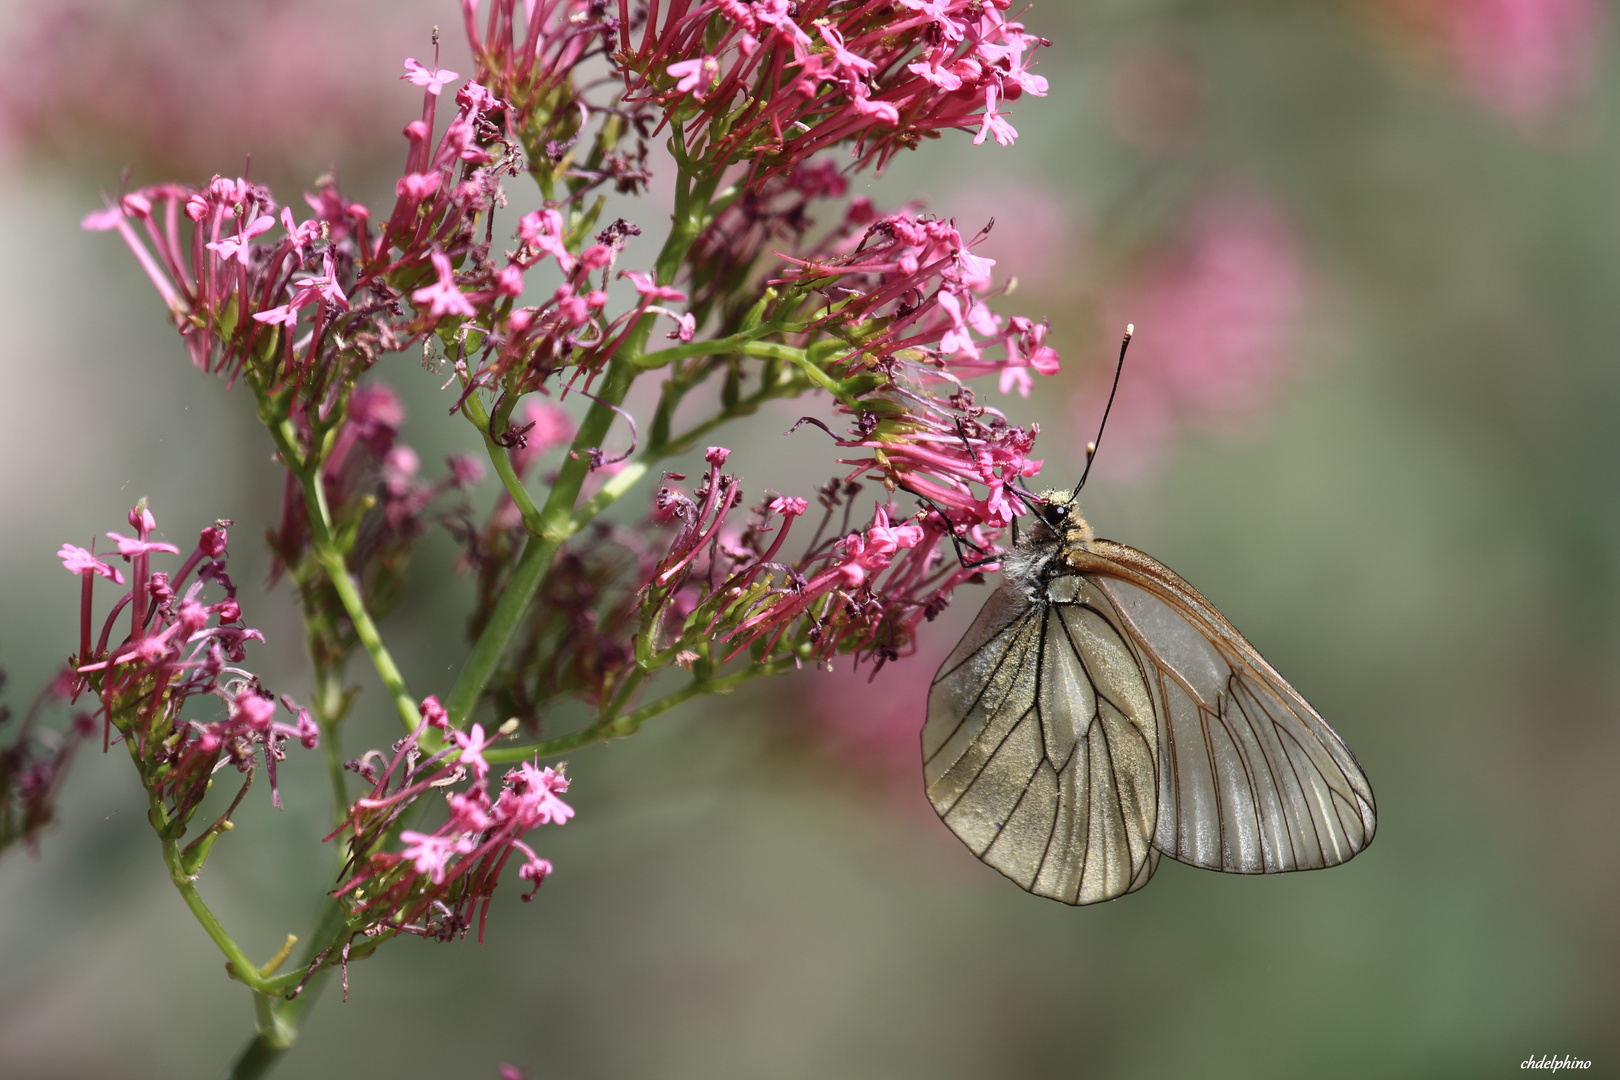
191, 87
1522, 59
1214, 315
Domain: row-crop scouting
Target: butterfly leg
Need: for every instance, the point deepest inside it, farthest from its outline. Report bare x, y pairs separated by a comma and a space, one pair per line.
958, 541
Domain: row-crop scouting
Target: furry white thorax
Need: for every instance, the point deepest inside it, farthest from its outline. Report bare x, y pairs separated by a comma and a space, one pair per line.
1042, 553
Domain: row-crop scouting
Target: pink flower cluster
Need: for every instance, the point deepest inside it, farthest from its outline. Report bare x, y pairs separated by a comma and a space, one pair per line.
178, 647
441, 879
776, 81
927, 433
181, 87
859, 592
1524, 58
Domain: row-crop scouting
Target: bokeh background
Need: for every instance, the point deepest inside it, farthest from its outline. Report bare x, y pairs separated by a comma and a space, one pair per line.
1372, 250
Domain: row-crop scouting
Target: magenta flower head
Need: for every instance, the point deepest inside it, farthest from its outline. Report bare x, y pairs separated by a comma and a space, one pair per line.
794, 79
176, 647
433, 81
440, 880
79, 561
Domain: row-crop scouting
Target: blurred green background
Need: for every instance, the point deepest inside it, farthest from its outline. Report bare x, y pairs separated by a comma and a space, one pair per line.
1400, 486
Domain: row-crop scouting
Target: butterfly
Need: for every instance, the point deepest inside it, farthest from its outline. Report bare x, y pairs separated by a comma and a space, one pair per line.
1100, 713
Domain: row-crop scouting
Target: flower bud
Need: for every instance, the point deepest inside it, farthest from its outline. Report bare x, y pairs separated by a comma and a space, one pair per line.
211, 542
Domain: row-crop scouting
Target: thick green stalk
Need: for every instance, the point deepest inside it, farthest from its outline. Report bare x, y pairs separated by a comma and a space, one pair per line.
557, 519
366, 630
328, 709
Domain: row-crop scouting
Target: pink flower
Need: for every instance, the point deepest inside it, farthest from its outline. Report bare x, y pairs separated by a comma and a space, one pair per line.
532, 799
1523, 58
129, 546
994, 123
596, 257
301, 236
1214, 316
102, 220
433, 81
544, 230
285, 315
863, 556
473, 744
443, 297
80, 561
212, 540
547, 425
647, 287
431, 854
237, 247
788, 506
433, 713
853, 65
509, 282
535, 870
323, 287
696, 76
470, 811
466, 471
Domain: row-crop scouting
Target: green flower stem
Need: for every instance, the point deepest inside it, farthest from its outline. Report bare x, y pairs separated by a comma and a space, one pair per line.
328, 707
503, 623
475, 412
554, 526
557, 520
611, 492
366, 630
260, 1055
279, 1018
812, 370
715, 347
307, 469
618, 728
240, 966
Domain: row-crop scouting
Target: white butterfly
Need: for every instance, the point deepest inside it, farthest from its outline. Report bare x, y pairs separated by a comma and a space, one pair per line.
1100, 712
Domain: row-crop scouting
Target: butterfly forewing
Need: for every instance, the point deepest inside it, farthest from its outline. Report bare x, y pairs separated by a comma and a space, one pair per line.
1251, 779
1040, 748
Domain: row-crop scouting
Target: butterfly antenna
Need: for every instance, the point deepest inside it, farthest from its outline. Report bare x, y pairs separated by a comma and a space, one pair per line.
1091, 447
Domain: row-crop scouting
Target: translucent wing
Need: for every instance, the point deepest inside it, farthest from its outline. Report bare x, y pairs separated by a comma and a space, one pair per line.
1040, 749
1251, 779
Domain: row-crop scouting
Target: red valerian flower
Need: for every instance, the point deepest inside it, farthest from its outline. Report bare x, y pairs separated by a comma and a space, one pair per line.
440, 879
880, 78
179, 647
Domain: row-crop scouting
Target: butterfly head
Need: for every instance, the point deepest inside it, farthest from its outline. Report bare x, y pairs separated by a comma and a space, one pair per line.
1057, 514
